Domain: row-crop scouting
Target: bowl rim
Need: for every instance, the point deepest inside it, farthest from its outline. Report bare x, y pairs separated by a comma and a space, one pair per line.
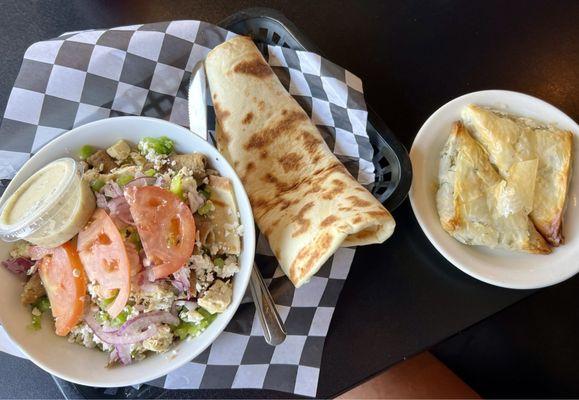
248, 243
421, 215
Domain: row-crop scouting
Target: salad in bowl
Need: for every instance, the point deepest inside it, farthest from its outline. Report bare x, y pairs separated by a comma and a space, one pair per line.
133, 248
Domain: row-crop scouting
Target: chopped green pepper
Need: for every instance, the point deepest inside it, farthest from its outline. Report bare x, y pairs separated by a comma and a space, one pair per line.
176, 186
86, 151
160, 145
206, 208
206, 192
104, 303
36, 324
124, 179
102, 317
219, 262
185, 329
122, 317
205, 313
43, 304
97, 185
149, 172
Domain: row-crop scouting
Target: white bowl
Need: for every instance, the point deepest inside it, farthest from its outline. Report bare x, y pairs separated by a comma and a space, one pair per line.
78, 364
497, 267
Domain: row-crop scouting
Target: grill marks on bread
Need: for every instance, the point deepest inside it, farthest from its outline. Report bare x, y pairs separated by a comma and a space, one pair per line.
308, 255
291, 161
268, 135
255, 67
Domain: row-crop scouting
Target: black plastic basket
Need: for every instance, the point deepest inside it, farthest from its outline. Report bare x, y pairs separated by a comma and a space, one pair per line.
392, 164
393, 170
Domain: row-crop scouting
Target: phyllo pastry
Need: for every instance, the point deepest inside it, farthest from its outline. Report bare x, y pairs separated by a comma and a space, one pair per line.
509, 140
476, 206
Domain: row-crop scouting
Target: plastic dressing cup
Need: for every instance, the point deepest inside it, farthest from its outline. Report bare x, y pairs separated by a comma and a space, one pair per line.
50, 207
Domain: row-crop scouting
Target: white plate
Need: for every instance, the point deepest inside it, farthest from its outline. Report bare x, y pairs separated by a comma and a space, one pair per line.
497, 267
88, 366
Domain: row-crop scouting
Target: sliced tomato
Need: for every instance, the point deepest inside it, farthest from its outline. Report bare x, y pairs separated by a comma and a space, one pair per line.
165, 225
103, 253
64, 279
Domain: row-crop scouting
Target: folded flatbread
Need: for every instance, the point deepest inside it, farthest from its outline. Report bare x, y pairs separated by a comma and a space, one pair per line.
303, 199
510, 140
476, 206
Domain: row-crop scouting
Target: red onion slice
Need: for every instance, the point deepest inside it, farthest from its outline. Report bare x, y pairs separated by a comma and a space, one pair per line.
18, 266
124, 354
120, 208
142, 321
142, 181
101, 200
181, 280
129, 337
113, 356
112, 189
109, 329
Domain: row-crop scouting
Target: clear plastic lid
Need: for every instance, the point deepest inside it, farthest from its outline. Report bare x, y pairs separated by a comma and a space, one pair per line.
32, 205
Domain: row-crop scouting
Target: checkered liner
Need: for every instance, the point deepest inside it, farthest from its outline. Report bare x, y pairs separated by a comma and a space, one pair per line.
145, 70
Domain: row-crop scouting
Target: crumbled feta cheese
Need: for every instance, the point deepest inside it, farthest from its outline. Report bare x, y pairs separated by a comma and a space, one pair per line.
160, 341
217, 297
83, 335
235, 228
93, 290
204, 271
230, 267
158, 160
185, 171
154, 296
191, 316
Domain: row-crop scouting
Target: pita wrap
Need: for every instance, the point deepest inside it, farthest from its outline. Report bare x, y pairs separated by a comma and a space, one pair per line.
303, 199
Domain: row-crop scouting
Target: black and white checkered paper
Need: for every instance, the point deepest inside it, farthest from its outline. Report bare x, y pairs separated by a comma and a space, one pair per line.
145, 70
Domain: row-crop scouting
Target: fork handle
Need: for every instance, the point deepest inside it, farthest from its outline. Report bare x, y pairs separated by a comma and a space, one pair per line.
273, 327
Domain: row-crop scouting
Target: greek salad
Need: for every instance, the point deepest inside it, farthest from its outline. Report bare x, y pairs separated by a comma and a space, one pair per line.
155, 261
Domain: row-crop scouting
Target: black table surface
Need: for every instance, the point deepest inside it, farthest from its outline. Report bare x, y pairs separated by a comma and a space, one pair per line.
401, 297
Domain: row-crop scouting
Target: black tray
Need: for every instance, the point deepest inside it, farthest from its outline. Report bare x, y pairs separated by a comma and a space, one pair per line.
392, 167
